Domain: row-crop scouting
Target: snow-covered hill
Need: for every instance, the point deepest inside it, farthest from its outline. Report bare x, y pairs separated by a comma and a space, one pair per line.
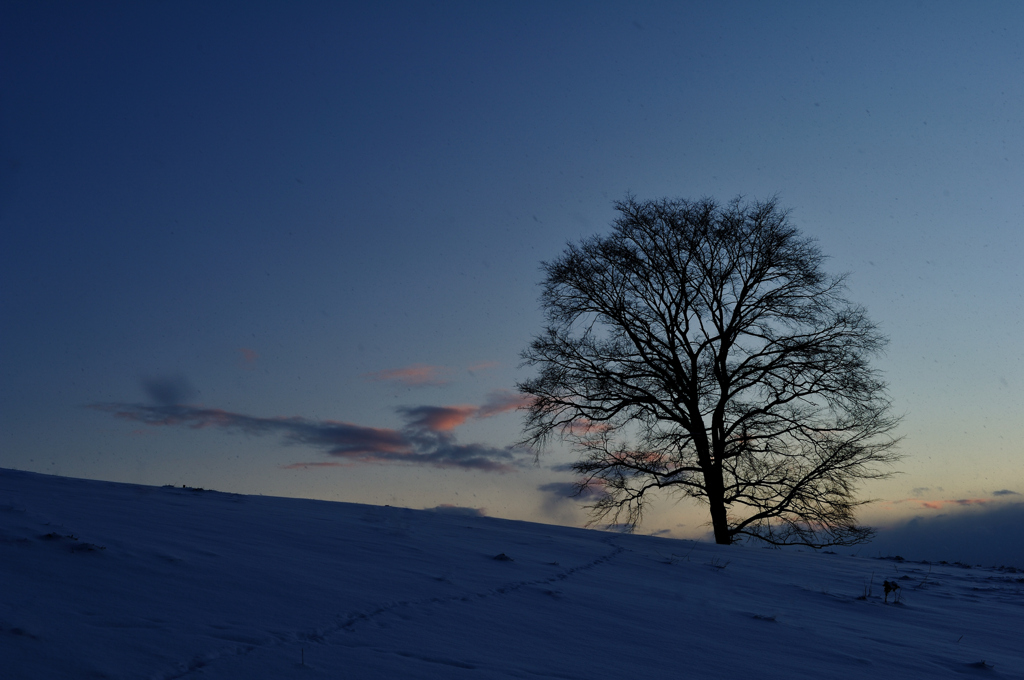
104, 580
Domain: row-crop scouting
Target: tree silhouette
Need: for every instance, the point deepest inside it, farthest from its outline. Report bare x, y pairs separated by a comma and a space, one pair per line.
700, 348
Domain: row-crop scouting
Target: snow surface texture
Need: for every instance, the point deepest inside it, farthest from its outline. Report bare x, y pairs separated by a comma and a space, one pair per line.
104, 580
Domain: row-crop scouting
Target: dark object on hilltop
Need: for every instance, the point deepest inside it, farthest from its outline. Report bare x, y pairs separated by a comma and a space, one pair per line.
891, 587
700, 348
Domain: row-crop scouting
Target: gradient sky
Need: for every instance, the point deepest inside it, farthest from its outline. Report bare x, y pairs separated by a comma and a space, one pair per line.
295, 250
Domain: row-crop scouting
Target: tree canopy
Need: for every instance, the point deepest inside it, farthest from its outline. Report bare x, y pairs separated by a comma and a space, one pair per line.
700, 348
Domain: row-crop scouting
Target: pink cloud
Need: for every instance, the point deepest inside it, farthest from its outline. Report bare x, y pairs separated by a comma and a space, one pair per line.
249, 357
438, 418
447, 418
500, 401
584, 427
425, 439
483, 366
417, 375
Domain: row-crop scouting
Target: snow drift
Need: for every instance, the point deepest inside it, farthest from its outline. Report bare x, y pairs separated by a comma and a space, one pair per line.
110, 580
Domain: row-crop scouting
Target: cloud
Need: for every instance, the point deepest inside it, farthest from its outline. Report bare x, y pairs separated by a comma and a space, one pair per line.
561, 502
990, 535
482, 366
571, 491
417, 375
437, 418
447, 418
458, 510
424, 440
440, 450
583, 427
501, 401
249, 357
168, 390
940, 504
1005, 492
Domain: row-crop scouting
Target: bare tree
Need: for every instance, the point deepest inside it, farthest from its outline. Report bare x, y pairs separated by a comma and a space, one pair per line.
700, 348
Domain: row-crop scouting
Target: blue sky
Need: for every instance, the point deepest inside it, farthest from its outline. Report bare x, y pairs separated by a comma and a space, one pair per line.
320, 228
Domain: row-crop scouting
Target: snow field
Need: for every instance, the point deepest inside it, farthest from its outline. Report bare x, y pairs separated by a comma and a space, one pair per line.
104, 580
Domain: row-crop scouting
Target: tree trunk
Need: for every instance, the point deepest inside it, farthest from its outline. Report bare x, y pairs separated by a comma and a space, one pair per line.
715, 488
